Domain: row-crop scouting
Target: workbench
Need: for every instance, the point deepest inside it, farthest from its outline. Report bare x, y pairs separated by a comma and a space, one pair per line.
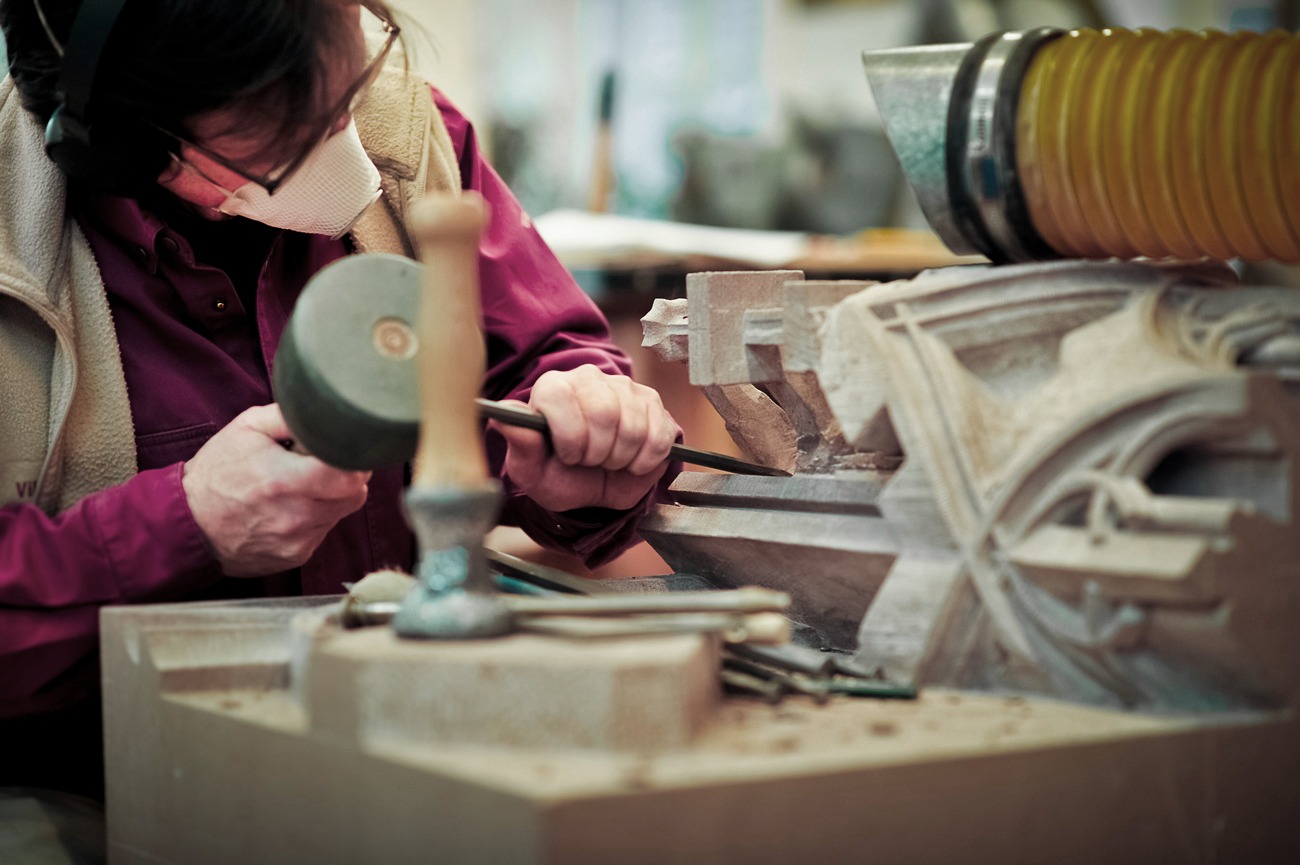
242, 732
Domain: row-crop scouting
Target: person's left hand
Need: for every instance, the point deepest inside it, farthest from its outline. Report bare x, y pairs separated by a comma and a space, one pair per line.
610, 439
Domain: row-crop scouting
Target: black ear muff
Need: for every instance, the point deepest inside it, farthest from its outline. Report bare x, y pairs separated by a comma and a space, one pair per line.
67, 142
106, 152
117, 156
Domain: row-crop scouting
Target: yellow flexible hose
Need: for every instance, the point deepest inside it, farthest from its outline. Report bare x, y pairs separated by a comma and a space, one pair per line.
1164, 144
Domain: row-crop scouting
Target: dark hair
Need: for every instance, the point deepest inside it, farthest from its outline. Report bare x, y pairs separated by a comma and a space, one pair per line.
170, 61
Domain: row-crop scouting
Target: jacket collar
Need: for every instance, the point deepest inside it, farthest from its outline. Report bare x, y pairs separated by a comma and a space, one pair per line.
393, 120
33, 234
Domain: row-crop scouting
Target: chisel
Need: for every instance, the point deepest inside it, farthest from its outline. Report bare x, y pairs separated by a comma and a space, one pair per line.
514, 416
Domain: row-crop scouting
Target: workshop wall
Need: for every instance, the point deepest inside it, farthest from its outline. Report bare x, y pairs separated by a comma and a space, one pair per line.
720, 106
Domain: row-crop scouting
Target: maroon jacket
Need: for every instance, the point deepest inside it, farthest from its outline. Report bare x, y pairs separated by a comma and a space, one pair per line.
199, 308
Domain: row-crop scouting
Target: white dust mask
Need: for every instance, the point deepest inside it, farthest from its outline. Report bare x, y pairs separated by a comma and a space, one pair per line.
326, 194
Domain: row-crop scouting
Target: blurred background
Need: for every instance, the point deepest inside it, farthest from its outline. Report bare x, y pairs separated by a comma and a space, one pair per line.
743, 113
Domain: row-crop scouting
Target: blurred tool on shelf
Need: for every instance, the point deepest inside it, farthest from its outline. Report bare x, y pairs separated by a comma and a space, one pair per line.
602, 163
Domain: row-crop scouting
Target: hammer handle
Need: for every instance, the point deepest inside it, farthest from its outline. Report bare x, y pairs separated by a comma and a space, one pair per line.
450, 360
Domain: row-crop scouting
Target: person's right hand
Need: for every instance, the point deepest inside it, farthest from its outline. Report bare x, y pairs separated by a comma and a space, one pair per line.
262, 508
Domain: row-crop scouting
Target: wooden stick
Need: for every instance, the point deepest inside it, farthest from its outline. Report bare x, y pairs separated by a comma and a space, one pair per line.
769, 629
747, 600
451, 356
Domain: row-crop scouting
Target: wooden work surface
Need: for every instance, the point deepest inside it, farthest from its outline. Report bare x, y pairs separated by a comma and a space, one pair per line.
626, 283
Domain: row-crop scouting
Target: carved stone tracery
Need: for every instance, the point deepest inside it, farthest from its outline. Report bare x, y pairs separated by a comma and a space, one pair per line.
1098, 485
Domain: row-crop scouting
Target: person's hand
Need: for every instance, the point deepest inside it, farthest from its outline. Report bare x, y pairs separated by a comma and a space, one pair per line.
262, 508
609, 441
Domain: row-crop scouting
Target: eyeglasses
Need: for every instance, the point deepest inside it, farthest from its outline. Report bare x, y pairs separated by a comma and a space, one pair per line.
346, 104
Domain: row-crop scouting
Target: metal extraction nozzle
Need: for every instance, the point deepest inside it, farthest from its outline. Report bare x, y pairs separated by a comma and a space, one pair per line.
1101, 143
912, 87
950, 113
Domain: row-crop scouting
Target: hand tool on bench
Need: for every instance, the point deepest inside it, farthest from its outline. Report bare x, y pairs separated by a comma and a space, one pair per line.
745, 600
750, 615
761, 628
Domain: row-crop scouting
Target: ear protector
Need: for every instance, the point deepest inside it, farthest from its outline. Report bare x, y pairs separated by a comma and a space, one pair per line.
101, 151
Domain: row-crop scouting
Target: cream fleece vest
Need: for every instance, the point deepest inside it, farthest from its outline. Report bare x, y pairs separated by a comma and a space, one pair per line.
65, 420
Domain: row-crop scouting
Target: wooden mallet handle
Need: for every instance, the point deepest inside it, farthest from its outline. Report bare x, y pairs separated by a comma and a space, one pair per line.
451, 356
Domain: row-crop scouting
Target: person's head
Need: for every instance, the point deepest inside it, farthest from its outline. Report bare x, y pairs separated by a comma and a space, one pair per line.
254, 83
